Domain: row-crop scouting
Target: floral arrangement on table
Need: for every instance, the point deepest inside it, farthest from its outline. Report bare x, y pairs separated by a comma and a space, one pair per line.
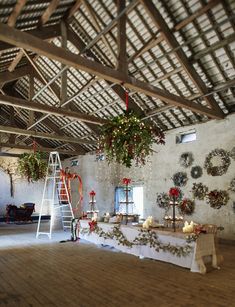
145, 237
186, 159
196, 172
232, 185
217, 198
199, 191
32, 166
196, 231
217, 170
163, 200
175, 194
180, 179
126, 138
186, 206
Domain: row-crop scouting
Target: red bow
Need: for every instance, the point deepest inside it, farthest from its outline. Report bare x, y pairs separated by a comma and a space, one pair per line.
92, 225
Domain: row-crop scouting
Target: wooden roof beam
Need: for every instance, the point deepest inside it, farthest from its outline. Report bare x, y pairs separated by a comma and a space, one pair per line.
18, 73
40, 148
27, 41
172, 42
121, 38
30, 105
48, 12
41, 135
16, 12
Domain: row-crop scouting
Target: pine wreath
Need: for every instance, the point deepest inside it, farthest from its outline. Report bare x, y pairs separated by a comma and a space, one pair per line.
196, 172
232, 153
199, 191
186, 159
186, 206
180, 179
217, 198
232, 185
163, 200
219, 170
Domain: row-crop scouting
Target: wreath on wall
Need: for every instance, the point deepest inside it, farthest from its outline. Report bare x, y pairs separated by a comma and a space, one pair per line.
163, 200
217, 170
180, 179
186, 206
32, 166
199, 191
217, 198
232, 185
196, 172
232, 153
186, 159
126, 138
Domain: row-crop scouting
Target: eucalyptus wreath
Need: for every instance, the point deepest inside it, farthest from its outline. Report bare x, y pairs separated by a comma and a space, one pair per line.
186, 159
186, 206
180, 179
126, 138
232, 185
32, 166
163, 200
199, 190
217, 198
196, 172
219, 170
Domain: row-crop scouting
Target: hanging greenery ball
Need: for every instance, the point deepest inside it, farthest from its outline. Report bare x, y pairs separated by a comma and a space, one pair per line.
180, 179
32, 166
199, 191
126, 138
186, 159
217, 198
163, 200
186, 206
196, 172
217, 170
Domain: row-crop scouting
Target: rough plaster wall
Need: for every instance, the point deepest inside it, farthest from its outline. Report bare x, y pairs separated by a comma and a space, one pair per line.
156, 175
23, 191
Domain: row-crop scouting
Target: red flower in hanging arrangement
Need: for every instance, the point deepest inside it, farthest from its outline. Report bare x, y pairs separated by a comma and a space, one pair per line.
126, 181
92, 193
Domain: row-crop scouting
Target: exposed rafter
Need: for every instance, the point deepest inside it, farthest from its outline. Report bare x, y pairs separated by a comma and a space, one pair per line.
48, 12
172, 42
24, 104
16, 12
7, 76
40, 148
24, 40
41, 135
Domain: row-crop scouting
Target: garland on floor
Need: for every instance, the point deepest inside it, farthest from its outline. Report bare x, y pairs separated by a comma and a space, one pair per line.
145, 237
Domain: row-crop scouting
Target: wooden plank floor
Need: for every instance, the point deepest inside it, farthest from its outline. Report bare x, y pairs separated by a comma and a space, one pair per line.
80, 274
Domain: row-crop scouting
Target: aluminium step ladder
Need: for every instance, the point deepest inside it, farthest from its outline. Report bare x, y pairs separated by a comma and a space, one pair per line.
56, 196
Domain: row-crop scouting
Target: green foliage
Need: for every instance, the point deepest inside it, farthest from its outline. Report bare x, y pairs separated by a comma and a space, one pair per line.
126, 138
32, 166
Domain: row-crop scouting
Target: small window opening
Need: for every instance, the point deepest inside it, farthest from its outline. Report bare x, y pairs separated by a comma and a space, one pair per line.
186, 137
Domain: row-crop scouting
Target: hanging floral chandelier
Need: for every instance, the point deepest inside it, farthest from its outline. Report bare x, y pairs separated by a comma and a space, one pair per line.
126, 138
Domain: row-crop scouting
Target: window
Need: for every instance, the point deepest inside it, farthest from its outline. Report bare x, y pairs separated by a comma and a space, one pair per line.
186, 137
135, 196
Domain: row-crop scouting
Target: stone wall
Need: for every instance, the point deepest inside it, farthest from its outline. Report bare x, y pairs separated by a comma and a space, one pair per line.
23, 191
156, 175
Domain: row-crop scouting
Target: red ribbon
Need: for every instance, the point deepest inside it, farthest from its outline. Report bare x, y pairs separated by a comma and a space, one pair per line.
92, 225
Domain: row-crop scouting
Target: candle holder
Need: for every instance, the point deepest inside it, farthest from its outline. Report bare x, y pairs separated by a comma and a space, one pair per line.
175, 195
127, 202
92, 212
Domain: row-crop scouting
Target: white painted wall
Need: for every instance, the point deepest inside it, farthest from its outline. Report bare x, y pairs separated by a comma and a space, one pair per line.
156, 175
23, 191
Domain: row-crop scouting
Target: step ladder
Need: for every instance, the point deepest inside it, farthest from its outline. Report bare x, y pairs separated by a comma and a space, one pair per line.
56, 196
